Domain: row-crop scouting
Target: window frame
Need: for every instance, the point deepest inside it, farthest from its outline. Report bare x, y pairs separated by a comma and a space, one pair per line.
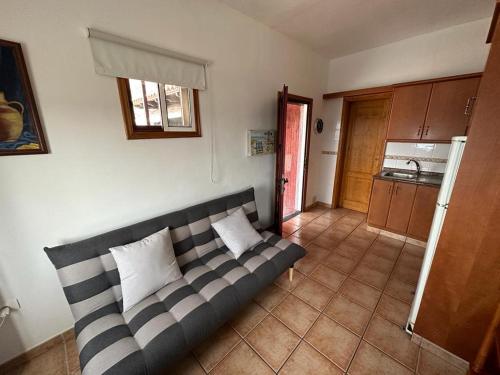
152, 132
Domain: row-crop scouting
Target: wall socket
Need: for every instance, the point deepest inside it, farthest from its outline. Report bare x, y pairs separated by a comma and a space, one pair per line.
13, 303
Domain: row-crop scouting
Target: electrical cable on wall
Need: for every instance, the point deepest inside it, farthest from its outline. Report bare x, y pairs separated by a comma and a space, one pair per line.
213, 156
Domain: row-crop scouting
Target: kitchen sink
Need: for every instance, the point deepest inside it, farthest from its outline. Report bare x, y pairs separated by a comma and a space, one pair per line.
409, 176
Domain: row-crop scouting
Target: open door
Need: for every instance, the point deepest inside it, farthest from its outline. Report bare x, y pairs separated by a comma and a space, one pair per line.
280, 180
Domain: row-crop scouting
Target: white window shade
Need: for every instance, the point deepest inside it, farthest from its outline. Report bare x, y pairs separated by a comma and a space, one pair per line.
119, 57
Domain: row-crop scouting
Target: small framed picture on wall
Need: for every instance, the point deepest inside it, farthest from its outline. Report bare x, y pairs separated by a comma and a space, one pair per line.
20, 128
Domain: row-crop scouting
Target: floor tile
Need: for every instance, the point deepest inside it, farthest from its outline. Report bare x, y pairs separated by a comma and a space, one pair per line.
296, 314
357, 242
273, 341
242, 360
326, 242
72, 356
414, 250
283, 280
248, 318
289, 228
313, 293
270, 297
431, 364
391, 242
393, 310
406, 274
305, 360
305, 233
392, 340
402, 291
187, 366
333, 340
349, 314
214, 349
297, 240
51, 362
378, 263
370, 276
328, 277
369, 360
313, 257
340, 262
358, 292
324, 220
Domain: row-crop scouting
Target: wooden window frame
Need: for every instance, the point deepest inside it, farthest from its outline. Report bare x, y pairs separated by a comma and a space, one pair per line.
152, 132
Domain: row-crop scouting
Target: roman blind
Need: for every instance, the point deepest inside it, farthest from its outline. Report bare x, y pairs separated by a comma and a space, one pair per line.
120, 57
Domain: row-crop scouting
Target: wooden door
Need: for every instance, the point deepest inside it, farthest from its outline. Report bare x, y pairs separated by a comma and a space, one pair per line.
365, 139
450, 109
379, 202
409, 107
422, 212
401, 205
280, 179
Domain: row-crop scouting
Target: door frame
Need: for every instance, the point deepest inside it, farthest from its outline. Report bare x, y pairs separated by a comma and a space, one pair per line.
344, 131
297, 99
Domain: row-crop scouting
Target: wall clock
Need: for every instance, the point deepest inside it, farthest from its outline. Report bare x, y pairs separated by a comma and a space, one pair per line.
319, 126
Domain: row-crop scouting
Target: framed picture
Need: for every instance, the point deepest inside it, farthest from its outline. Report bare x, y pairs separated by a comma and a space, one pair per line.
261, 142
20, 128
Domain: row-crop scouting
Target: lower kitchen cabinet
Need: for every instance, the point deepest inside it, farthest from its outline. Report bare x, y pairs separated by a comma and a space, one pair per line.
401, 204
403, 208
380, 202
423, 212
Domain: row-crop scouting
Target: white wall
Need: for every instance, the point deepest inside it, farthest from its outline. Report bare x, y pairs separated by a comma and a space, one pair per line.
455, 50
94, 179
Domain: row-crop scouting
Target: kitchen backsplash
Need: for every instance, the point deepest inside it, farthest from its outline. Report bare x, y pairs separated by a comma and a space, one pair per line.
431, 156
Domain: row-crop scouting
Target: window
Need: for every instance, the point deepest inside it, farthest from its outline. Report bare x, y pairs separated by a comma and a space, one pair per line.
155, 110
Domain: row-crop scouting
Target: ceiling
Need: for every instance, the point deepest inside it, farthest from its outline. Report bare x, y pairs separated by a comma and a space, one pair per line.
336, 28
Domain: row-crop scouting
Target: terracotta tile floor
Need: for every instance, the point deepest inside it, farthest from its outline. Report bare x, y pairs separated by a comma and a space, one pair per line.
343, 313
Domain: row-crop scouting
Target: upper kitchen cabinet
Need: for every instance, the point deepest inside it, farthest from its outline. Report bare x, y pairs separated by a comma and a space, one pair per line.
409, 107
433, 111
450, 109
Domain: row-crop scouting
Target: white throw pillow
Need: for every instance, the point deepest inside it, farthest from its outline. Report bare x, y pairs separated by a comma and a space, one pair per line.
145, 266
237, 233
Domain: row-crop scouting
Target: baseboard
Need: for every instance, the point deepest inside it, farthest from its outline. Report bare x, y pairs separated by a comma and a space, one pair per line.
40, 349
318, 204
396, 236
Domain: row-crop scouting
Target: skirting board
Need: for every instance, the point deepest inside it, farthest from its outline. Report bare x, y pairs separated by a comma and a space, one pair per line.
36, 351
318, 204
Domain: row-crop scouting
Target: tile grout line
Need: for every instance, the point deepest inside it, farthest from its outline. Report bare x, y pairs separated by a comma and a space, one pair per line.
374, 312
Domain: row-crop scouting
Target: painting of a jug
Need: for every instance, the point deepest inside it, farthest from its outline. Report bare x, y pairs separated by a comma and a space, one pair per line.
20, 128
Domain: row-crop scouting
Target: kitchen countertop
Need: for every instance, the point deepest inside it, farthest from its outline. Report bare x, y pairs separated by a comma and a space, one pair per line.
424, 178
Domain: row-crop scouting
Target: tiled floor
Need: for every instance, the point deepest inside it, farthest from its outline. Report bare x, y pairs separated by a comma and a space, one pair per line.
343, 312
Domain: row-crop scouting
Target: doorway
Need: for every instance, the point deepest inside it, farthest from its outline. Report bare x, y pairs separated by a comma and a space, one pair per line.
294, 128
364, 126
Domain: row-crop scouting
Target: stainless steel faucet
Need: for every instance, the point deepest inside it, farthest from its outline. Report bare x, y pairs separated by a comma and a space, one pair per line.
417, 164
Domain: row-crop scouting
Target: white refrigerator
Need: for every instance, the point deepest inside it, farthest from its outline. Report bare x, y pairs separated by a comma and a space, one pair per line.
450, 174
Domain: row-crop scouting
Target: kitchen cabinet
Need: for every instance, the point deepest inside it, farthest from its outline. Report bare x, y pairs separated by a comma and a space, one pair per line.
450, 108
379, 202
422, 212
433, 111
409, 107
401, 205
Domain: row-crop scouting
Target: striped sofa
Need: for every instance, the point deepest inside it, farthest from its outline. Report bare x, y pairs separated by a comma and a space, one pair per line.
154, 334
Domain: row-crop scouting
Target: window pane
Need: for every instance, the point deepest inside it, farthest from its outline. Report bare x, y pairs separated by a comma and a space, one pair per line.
142, 92
178, 106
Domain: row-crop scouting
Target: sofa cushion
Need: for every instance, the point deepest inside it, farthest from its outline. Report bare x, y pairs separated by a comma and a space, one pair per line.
153, 334
237, 233
145, 266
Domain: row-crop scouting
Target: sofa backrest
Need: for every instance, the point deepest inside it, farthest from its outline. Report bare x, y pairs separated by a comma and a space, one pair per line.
88, 272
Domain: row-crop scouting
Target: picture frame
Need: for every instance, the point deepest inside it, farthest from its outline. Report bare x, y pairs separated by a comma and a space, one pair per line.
21, 131
261, 142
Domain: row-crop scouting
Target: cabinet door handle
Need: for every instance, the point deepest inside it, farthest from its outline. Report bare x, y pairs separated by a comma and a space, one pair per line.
427, 130
419, 131
397, 188
390, 190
